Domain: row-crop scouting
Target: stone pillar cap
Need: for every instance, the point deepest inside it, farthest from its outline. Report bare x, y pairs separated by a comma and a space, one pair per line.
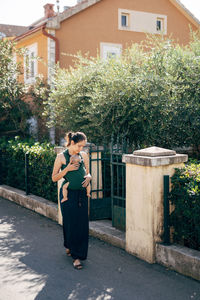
154, 157
154, 151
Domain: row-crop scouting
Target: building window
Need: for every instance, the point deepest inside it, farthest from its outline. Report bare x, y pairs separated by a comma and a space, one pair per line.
111, 54
124, 20
26, 67
160, 24
30, 64
109, 51
141, 21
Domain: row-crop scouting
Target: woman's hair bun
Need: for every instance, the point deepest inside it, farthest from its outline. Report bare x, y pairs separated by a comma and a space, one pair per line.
69, 135
75, 136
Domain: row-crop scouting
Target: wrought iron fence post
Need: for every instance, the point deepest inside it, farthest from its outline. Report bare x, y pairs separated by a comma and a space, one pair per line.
111, 174
27, 173
166, 211
1, 167
90, 168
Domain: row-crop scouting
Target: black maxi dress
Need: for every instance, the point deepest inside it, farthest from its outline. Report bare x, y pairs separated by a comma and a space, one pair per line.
75, 216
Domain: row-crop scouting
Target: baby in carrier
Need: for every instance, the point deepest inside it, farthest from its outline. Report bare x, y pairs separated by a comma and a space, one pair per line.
70, 176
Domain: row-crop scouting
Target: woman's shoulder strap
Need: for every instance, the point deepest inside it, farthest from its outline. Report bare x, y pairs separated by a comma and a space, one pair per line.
66, 155
84, 156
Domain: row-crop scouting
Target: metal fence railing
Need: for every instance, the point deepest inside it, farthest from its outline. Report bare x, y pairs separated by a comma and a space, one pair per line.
118, 147
12, 171
180, 225
27, 174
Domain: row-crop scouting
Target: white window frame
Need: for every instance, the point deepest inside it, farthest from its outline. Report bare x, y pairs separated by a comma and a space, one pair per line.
30, 55
124, 12
162, 22
106, 48
51, 56
15, 63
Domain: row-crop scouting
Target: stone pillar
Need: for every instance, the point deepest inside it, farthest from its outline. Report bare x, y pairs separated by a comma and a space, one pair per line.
144, 197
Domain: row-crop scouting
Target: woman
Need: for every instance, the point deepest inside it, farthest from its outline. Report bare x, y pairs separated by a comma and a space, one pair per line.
75, 209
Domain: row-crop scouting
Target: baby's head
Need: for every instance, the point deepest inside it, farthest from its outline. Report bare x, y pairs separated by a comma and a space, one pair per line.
75, 159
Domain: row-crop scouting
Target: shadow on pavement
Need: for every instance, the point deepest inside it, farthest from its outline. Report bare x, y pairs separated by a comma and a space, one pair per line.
34, 266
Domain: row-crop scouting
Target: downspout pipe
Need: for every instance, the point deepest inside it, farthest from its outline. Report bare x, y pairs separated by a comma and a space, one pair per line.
56, 42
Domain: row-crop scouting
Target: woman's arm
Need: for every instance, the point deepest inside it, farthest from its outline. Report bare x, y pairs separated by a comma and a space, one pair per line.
86, 161
56, 174
88, 177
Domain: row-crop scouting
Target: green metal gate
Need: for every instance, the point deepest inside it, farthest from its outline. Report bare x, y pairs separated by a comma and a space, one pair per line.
118, 183
108, 191
100, 202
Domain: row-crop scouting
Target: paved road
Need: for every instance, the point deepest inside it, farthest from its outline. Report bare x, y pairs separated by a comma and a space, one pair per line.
33, 265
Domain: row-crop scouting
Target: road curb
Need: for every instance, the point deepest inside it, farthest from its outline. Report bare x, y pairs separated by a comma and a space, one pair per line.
35, 203
181, 259
103, 230
100, 229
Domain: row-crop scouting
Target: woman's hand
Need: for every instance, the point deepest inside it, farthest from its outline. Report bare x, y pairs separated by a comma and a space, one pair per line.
72, 167
87, 177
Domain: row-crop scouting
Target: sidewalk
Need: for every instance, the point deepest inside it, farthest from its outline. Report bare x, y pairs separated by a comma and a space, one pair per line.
100, 229
184, 260
33, 266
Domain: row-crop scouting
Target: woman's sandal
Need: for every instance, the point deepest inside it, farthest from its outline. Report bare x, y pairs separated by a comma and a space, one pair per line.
78, 266
68, 252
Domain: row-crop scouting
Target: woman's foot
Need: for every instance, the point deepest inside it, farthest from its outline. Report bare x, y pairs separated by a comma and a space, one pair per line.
68, 252
77, 264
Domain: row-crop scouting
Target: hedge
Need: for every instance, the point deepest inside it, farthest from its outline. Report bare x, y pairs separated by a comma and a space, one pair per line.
41, 160
185, 196
152, 98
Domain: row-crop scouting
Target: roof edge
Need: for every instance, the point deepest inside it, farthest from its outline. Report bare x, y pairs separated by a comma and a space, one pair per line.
55, 22
187, 13
25, 34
